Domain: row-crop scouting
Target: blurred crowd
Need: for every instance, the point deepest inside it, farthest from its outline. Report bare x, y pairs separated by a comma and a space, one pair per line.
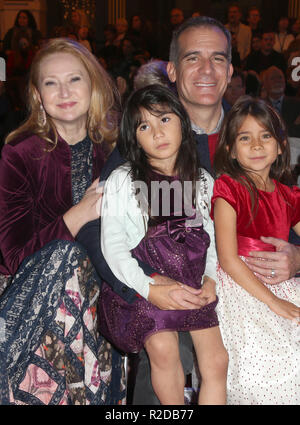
264, 58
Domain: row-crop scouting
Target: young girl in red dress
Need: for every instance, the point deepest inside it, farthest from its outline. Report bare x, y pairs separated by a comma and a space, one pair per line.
259, 322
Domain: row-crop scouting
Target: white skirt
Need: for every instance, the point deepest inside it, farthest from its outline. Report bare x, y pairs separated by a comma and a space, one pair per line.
263, 348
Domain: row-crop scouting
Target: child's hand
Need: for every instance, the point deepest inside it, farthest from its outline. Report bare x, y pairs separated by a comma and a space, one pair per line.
285, 309
208, 293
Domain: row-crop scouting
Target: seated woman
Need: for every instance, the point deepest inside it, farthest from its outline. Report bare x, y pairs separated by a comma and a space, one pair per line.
20, 57
50, 350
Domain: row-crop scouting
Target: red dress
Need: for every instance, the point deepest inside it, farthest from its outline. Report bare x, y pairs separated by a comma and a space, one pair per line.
277, 212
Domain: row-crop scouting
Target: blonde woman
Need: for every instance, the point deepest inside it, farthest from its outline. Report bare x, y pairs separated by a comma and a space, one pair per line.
50, 352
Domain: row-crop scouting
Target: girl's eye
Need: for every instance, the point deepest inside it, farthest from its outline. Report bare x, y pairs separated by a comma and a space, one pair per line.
267, 135
49, 83
143, 127
165, 119
244, 138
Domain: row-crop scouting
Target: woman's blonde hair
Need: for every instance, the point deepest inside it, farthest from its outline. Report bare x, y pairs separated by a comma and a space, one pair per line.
102, 119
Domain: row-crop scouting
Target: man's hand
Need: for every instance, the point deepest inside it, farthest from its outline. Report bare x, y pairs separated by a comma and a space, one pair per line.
285, 262
168, 294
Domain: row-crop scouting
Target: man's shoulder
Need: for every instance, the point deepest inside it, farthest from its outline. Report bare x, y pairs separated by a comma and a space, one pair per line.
199, 136
114, 160
245, 29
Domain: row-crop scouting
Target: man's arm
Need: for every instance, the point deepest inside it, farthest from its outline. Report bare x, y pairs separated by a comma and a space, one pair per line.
114, 160
89, 237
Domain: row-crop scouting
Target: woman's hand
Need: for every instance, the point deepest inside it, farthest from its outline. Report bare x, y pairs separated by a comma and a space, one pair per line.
86, 210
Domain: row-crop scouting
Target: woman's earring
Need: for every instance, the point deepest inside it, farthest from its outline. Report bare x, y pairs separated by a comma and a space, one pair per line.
42, 116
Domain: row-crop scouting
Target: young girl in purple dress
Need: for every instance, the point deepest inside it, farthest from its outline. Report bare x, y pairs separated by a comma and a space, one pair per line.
173, 236
258, 321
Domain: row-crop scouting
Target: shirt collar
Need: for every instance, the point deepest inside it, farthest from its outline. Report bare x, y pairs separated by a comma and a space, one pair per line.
199, 130
277, 101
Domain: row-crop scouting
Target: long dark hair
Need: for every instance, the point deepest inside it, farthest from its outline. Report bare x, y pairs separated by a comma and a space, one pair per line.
155, 99
31, 20
271, 121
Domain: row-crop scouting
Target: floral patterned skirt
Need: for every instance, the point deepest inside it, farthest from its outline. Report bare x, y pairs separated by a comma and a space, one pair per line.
50, 349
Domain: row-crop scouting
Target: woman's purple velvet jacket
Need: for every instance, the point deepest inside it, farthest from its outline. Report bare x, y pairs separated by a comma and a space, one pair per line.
35, 193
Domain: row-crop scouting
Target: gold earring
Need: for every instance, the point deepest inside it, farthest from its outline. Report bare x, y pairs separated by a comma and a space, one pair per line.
42, 116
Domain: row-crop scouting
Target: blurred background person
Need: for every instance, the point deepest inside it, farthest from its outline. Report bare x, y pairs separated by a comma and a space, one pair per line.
255, 42
235, 56
140, 31
26, 22
82, 36
254, 20
265, 57
110, 34
295, 27
121, 28
235, 88
243, 32
288, 107
283, 36
176, 18
78, 23
18, 63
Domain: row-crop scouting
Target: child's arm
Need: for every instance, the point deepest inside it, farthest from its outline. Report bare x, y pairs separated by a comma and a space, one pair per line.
227, 249
296, 228
119, 216
209, 279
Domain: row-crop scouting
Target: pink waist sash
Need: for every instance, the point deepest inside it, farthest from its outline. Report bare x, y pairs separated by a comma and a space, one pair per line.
249, 244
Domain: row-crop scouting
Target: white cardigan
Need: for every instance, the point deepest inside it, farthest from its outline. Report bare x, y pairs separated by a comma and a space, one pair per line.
123, 225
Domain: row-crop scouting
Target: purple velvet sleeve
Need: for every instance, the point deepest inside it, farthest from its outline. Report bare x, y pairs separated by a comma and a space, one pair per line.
22, 231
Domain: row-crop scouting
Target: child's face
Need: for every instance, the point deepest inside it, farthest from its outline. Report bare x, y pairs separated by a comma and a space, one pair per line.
255, 148
160, 138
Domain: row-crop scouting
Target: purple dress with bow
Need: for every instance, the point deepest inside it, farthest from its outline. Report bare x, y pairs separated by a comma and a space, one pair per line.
174, 250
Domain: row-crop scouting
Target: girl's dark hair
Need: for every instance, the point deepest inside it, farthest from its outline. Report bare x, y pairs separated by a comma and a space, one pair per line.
269, 119
157, 99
